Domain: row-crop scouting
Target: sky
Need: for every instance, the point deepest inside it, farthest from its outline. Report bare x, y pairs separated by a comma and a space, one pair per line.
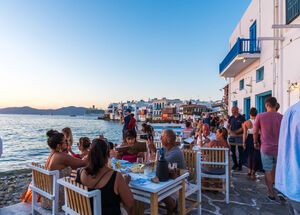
56, 53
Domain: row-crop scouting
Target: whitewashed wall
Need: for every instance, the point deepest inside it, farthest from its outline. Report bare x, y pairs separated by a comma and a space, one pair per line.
287, 66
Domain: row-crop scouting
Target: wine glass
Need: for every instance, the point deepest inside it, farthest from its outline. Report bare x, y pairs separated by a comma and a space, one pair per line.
140, 160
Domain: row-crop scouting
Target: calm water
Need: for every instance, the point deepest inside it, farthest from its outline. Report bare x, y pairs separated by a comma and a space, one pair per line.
25, 140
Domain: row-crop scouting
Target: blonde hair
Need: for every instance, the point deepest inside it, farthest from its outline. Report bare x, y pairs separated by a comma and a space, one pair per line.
68, 134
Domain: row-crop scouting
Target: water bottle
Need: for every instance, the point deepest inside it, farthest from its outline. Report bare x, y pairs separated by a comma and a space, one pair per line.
162, 169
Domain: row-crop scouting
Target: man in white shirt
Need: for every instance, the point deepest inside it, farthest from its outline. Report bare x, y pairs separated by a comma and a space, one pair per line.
207, 136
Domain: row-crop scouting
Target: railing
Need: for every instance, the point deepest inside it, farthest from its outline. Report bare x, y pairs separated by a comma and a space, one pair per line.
241, 46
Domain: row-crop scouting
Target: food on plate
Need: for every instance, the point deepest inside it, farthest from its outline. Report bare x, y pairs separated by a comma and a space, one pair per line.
138, 168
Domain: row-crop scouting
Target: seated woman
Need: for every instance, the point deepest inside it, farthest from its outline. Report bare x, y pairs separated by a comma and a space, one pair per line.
114, 188
131, 149
221, 139
148, 129
58, 160
69, 137
220, 142
83, 146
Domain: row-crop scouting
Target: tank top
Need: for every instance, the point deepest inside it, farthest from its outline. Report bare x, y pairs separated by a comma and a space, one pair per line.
110, 201
251, 130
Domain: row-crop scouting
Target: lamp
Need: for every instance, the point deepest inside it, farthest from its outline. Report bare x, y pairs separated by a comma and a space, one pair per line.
293, 86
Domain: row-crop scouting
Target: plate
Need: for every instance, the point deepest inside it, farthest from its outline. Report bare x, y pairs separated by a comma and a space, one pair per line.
140, 181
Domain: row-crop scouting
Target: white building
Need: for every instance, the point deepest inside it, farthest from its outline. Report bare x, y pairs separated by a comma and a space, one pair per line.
264, 56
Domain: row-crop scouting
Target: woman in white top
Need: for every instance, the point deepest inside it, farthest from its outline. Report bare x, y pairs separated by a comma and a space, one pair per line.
248, 143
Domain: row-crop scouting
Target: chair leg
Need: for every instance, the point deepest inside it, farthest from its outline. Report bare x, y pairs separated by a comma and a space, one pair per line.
227, 191
33, 203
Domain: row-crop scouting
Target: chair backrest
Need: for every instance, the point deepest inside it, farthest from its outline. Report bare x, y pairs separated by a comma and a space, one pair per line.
214, 157
44, 182
78, 198
190, 163
41, 179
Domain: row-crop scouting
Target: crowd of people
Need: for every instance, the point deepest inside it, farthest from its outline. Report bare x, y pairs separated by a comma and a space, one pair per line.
263, 141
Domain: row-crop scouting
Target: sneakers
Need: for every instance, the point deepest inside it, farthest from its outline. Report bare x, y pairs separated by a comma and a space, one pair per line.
281, 197
273, 199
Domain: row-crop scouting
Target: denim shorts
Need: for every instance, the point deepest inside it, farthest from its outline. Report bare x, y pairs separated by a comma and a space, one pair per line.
268, 161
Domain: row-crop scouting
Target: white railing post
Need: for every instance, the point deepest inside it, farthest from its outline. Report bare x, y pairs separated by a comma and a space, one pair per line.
227, 175
198, 172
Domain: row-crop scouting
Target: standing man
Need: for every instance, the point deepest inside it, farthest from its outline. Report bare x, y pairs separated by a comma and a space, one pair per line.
268, 124
235, 123
126, 121
287, 178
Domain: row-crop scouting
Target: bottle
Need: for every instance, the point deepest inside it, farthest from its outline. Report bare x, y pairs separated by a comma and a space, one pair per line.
162, 169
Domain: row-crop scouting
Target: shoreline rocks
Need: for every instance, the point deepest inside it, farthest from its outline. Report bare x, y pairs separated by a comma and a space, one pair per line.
12, 185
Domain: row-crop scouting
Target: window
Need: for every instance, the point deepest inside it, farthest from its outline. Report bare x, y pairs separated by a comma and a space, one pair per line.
242, 84
260, 74
234, 104
292, 10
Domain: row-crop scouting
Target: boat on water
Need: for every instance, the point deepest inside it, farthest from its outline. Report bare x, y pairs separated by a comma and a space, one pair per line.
94, 112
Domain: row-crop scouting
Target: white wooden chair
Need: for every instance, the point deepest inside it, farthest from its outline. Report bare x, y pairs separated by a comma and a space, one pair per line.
44, 183
214, 159
77, 198
192, 158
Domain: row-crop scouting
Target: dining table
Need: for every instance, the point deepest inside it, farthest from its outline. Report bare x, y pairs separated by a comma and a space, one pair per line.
147, 192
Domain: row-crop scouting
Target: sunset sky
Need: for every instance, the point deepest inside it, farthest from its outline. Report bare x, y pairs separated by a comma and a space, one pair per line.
83, 53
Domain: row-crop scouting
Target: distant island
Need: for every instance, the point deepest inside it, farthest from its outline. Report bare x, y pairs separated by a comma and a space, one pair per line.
71, 110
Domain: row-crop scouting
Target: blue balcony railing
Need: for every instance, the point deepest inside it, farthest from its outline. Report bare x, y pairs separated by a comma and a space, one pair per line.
241, 46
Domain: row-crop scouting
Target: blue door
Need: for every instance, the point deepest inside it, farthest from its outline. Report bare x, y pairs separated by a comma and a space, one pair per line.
247, 106
252, 32
260, 101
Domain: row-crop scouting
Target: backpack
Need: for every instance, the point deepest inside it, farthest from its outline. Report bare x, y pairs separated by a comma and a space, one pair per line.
132, 123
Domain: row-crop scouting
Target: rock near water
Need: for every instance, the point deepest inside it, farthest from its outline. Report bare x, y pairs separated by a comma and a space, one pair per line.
12, 186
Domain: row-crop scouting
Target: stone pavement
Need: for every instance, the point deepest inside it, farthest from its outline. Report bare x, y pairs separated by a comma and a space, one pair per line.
246, 197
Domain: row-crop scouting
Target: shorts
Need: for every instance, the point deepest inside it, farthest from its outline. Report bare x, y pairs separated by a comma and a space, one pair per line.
268, 161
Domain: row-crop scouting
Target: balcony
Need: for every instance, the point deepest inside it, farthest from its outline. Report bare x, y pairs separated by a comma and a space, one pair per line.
243, 53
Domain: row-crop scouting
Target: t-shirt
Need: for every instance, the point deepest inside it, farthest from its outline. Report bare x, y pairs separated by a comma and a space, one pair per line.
175, 155
236, 122
268, 124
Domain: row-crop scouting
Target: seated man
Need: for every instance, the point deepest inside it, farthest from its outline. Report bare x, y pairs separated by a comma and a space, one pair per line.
173, 152
207, 136
173, 155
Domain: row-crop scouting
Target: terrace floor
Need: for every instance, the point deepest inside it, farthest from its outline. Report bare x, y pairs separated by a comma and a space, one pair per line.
246, 197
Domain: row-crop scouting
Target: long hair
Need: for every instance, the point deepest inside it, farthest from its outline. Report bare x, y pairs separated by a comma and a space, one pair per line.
69, 136
98, 155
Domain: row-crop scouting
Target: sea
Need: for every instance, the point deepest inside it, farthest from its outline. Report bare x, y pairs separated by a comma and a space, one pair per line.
25, 141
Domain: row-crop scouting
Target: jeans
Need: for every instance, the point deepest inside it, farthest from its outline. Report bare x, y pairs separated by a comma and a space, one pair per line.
234, 159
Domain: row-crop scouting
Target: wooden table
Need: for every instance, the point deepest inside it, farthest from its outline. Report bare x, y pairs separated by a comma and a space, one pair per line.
153, 193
